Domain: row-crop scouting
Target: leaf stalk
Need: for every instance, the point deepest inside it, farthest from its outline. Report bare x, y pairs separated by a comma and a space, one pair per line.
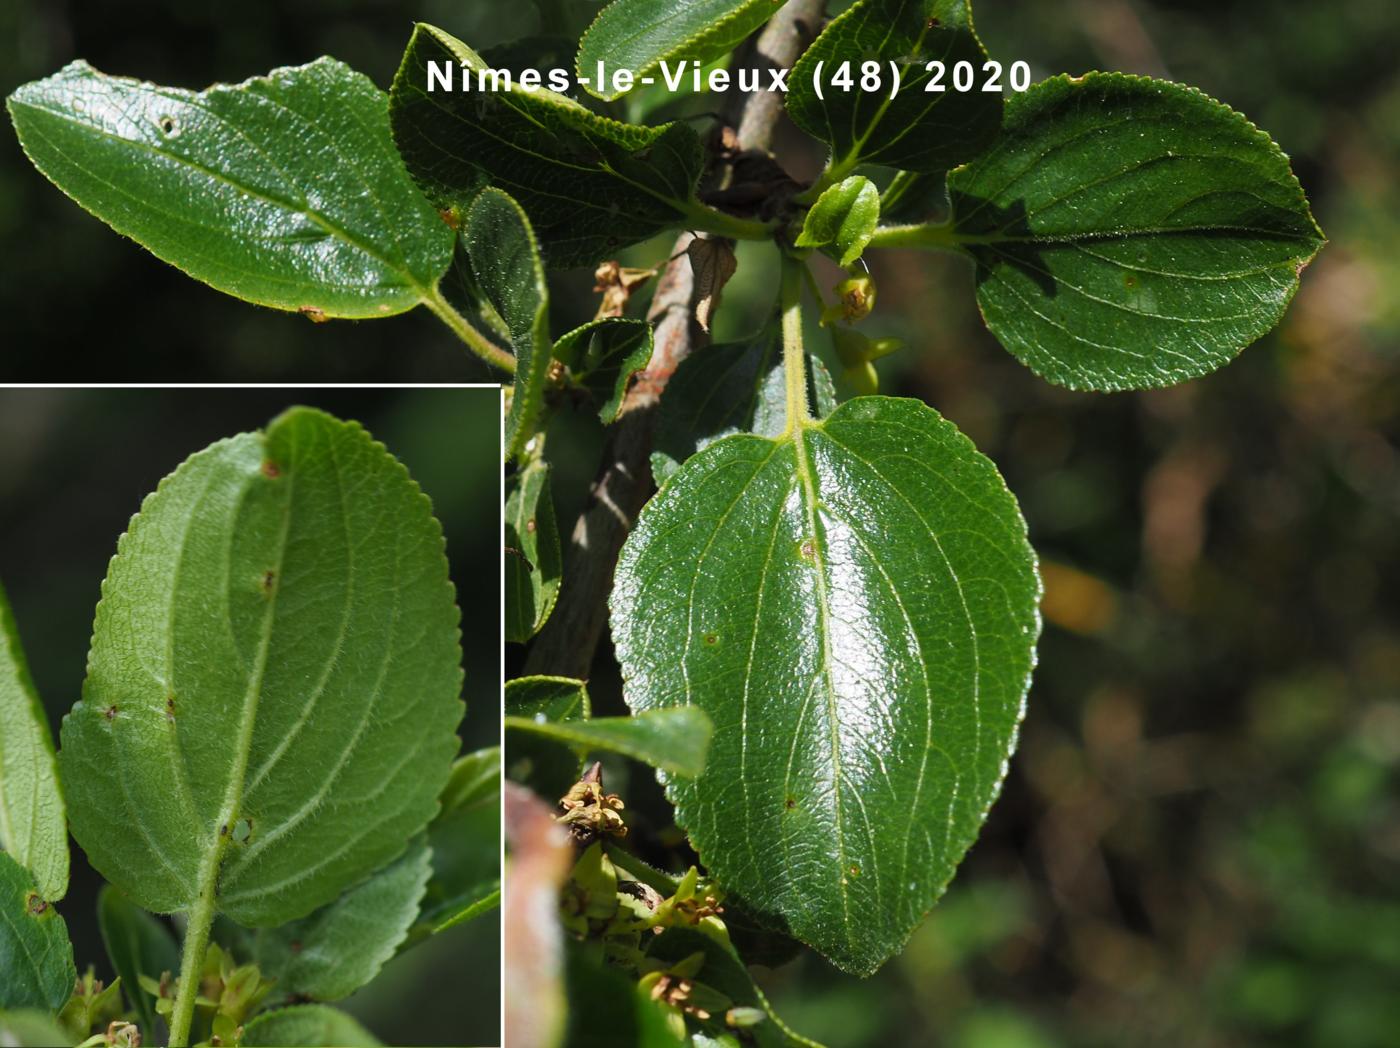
478, 343
794, 356
196, 944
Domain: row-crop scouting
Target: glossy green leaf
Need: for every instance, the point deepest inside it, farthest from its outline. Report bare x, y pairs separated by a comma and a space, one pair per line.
843, 219
280, 603
466, 840
673, 740
638, 35
31, 1028
724, 971
602, 356
285, 190
36, 958
32, 828
506, 263
534, 558
589, 184
137, 944
1129, 232
733, 388
918, 129
548, 766
855, 606
342, 946
307, 1026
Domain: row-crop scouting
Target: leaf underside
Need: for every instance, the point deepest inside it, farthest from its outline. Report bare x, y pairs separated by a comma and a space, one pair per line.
285, 190
856, 610
341, 947
307, 1026
281, 603
534, 558
1130, 233
32, 827
505, 261
466, 841
36, 958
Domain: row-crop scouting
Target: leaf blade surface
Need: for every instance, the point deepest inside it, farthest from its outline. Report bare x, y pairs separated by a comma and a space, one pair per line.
855, 608
284, 190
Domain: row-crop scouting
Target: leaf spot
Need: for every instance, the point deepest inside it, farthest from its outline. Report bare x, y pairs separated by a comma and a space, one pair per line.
271, 469
110, 712
269, 579
315, 314
790, 803
35, 904
1130, 281
170, 708
168, 125
808, 550
712, 639
530, 525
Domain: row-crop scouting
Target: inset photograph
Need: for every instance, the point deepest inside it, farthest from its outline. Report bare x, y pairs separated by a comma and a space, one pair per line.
249, 692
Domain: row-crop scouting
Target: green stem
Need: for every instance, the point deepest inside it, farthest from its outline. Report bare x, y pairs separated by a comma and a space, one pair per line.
196, 944
794, 357
902, 182
463, 329
935, 236
704, 219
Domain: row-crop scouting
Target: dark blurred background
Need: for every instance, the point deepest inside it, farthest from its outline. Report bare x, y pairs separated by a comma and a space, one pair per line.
1199, 842
74, 467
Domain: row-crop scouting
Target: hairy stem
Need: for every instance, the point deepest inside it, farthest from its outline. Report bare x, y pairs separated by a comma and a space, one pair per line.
704, 219
463, 329
196, 944
794, 358
936, 236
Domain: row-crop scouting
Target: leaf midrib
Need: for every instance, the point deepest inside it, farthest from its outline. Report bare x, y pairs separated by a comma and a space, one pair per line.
212, 863
329, 227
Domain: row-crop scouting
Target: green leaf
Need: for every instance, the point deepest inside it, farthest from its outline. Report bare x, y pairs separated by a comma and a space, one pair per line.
342, 946
307, 1026
31, 805
31, 1028
673, 740
919, 129
854, 605
638, 35
280, 603
506, 263
534, 559
137, 944
36, 958
602, 356
466, 840
733, 388
724, 971
589, 184
1130, 233
284, 190
616, 1012
547, 766
843, 219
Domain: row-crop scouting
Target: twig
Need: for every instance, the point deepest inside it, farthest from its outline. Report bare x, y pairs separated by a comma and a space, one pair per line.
624, 483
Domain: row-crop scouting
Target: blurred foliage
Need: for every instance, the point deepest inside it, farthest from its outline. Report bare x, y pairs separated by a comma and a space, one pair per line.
75, 465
